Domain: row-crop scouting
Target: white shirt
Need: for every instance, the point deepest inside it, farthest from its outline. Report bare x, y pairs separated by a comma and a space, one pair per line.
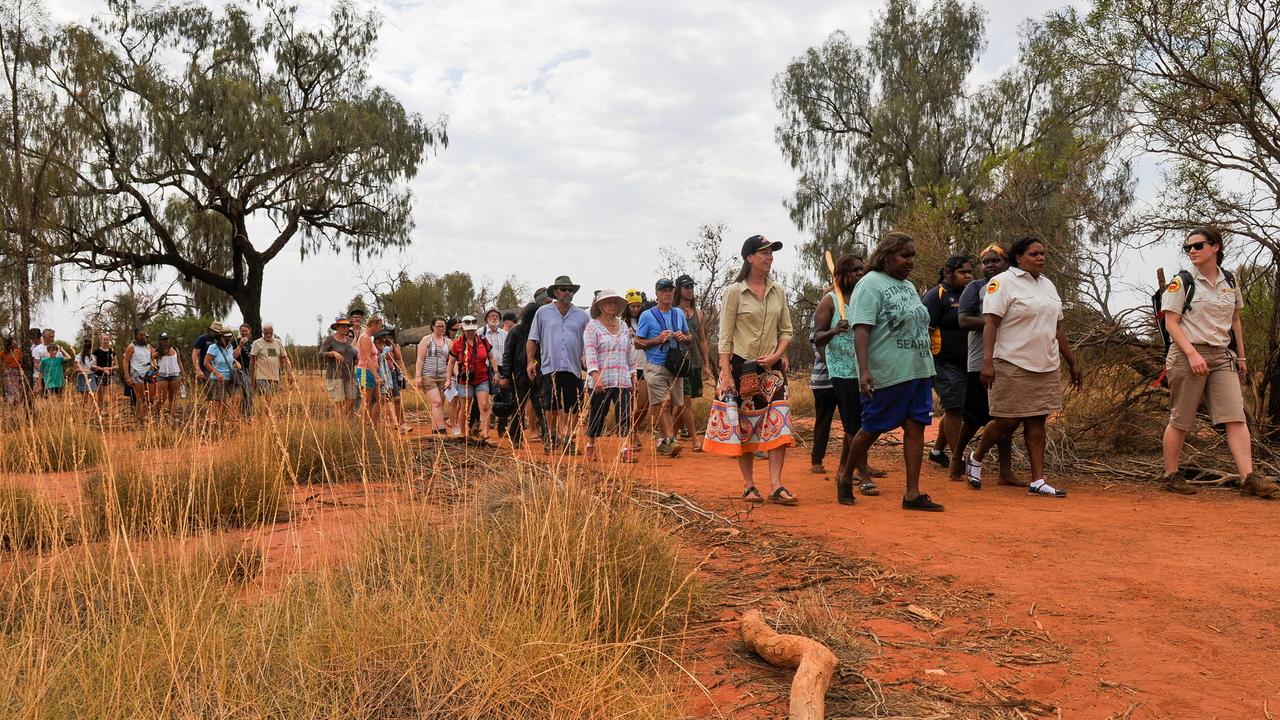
1030, 310
38, 353
497, 340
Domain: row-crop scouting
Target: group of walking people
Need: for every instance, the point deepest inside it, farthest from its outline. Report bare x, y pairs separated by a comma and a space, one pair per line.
992, 349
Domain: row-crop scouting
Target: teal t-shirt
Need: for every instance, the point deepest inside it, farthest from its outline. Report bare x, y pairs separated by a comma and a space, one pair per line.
51, 372
898, 350
841, 362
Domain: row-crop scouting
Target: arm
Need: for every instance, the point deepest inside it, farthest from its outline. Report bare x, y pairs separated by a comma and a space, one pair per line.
784, 339
822, 319
1064, 347
531, 352
209, 368
989, 332
448, 373
128, 357
1240, 361
591, 354
195, 362
1173, 325
861, 343
419, 357
970, 322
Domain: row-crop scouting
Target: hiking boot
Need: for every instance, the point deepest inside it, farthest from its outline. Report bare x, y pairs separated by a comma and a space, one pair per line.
669, 449
844, 491
1175, 483
1255, 485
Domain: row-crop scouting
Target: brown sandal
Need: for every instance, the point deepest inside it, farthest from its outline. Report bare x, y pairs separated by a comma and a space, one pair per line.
779, 498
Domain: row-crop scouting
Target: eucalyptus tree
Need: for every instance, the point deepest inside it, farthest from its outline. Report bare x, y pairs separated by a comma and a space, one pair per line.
213, 140
1201, 82
33, 146
896, 132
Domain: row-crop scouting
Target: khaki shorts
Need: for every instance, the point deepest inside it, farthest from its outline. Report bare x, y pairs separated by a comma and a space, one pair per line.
432, 383
341, 389
1220, 390
660, 383
1019, 393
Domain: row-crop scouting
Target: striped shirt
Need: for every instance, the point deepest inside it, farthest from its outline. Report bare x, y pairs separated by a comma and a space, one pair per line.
818, 377
610, 354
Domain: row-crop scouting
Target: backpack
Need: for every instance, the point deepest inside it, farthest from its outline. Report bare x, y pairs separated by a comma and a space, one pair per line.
677, 361
1189, 283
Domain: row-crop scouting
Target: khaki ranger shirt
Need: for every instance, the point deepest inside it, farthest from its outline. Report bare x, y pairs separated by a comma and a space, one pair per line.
1208, 320
751, 326
1029, 308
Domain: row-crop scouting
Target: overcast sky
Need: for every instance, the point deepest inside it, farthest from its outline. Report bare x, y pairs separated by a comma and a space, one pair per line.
583, 135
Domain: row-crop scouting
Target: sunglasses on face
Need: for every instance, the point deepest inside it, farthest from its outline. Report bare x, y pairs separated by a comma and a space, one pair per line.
1193, 246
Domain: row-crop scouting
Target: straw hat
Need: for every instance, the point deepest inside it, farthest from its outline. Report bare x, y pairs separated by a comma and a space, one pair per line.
607, 295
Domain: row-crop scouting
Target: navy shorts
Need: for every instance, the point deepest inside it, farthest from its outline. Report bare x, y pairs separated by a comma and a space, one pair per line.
890, 407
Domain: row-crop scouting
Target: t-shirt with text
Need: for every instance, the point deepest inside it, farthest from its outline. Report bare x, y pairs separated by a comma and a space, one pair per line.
898, 350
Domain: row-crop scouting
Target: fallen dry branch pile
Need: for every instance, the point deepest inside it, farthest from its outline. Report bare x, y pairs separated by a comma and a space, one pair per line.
813, 662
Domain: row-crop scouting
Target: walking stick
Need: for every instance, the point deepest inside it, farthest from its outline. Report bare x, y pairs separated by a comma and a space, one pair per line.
831, 266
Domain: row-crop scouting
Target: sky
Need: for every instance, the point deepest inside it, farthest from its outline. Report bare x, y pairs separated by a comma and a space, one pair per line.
583, 136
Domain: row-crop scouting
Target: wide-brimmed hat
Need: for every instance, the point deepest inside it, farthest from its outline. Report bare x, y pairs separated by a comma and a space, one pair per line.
341, 320
606, 295
469, 322
217, 328
563, 281
756, 243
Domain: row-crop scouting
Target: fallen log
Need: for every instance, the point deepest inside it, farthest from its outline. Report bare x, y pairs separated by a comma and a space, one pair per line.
813, 661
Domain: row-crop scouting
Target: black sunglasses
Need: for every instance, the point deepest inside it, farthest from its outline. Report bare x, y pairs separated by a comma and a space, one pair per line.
1193, 246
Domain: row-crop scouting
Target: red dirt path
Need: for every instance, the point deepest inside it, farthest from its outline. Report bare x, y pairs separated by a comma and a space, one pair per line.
1175, 597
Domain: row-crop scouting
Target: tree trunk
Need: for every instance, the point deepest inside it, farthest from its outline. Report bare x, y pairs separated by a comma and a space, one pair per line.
1271, 376
248, 296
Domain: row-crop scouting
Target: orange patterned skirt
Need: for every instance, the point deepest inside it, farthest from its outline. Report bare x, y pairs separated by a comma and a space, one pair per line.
758, 419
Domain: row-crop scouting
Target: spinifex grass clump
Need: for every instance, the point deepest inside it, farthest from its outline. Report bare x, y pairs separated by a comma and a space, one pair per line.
240, 484
55, 439
545, 602
29, 521
327, 450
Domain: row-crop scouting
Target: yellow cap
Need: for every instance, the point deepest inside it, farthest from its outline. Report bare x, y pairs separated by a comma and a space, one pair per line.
634, 296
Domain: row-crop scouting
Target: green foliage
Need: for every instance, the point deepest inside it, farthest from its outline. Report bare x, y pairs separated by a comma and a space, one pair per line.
182, 328
412, 302
889, 135
509, 294
199, 126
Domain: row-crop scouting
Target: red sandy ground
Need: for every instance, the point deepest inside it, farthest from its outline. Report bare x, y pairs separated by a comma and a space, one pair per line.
1162, 600
1166, 605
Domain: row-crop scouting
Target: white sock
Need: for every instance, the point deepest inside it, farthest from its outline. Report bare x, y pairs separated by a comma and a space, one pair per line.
974, 468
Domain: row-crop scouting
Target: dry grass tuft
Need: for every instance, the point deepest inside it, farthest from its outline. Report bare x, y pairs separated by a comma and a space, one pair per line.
29, 521
550, 603
57, 439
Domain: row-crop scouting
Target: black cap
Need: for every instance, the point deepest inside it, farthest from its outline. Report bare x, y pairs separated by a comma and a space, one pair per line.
664, 284
756, 243
356, 311
685, 281
164, 336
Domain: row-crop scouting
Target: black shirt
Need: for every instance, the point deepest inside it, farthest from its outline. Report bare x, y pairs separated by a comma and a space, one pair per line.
104, 359
202, 344
944, 313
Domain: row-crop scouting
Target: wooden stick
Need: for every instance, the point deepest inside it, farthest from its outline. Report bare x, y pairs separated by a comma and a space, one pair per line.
814, 664
831, 266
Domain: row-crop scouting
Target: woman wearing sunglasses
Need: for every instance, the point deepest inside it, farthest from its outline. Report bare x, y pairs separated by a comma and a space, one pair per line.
1201, 363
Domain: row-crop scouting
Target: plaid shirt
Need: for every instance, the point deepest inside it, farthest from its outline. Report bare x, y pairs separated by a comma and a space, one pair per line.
610, 354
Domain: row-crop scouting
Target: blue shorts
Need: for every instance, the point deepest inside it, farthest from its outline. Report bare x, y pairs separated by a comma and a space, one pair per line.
889, 407
366, 379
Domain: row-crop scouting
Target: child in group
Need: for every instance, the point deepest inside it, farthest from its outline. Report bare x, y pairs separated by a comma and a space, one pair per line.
53, 369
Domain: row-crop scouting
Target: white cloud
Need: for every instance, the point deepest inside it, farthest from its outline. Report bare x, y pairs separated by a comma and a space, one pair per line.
583, 135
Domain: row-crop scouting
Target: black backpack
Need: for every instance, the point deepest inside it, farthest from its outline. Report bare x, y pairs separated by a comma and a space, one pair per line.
1189, 283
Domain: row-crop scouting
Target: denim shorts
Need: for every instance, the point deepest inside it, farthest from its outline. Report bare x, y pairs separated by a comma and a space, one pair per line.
469, 391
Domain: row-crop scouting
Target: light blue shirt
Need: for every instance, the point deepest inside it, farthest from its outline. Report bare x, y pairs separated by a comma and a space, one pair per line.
559, 338
653, 323
223, 359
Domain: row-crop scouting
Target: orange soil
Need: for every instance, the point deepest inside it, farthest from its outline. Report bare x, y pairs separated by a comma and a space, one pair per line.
1173, 597
1166, 605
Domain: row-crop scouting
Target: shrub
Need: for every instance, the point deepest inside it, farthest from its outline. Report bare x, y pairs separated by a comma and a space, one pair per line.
29, 521
236, 488
55, 440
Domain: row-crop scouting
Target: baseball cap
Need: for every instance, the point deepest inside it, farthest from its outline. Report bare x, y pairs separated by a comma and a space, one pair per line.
469, 322
664, 284
756, 243
685, 280
634, 296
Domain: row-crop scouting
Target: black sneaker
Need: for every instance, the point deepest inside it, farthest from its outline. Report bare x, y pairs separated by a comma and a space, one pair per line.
939, 457
922, 502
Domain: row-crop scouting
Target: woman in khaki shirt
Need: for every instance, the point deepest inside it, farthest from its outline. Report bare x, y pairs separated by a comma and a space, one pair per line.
755, 330
1200, 365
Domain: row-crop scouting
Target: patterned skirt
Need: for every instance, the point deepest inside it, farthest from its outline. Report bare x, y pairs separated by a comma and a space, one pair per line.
13, 385
757, 419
